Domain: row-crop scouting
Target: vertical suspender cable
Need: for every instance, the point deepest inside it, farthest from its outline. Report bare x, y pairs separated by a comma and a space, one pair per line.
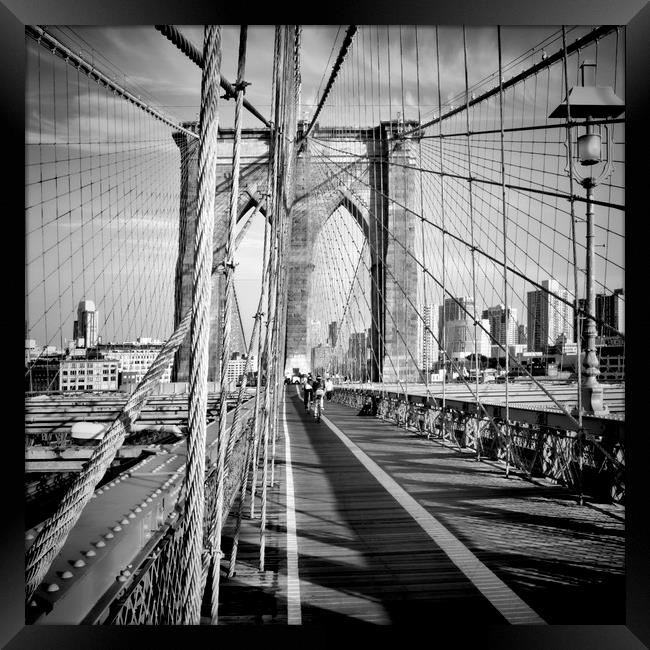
261, 406
260, 351
575, 259
426, 337
201, 295
271, 300
443, 318
471, 222
215, 537
248, 452
505, 250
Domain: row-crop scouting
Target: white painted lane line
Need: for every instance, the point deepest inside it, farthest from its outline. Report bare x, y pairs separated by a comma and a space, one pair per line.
506, 601
294, 614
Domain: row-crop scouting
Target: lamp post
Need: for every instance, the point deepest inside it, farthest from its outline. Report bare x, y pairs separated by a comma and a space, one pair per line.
589, 103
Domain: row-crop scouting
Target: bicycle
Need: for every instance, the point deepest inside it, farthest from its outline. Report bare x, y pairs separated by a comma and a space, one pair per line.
318, 404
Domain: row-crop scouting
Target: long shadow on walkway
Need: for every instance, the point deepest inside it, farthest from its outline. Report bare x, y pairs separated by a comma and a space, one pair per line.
361, 556
566, 561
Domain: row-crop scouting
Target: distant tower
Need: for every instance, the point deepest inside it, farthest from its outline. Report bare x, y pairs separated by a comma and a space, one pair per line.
549, 317
237, 338
428, 330
503, 330
86, 325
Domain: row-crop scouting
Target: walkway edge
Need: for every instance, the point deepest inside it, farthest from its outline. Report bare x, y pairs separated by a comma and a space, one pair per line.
506, 601
294, 615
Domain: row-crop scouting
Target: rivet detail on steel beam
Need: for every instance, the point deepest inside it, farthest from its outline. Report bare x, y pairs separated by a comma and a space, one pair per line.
100, 544
53, 587
109, 536
117, 528
66, 575
79, 563
90, 553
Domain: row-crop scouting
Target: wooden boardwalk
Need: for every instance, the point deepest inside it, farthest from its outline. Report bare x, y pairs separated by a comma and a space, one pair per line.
392, 528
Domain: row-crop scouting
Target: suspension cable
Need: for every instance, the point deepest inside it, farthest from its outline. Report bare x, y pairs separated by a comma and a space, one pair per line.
347, 41
184, 45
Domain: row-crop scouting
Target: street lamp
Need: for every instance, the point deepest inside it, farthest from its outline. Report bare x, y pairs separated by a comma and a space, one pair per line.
589, 103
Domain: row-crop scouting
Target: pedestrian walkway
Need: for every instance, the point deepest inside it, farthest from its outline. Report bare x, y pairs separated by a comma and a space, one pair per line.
392, 527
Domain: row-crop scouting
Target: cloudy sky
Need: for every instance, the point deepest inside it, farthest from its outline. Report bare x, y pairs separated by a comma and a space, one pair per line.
148, 65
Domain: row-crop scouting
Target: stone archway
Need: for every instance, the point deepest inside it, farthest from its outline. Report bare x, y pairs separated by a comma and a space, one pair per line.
380, 192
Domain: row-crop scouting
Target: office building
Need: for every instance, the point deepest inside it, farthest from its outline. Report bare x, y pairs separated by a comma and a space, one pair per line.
321, 356
462, 339
503, 331
42, 375
332, 333
610, 310
88, 374
134, 360
521, 334
85, 328
550, 316
427, 336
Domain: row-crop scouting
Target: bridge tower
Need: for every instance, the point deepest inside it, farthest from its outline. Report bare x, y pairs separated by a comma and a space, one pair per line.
381, 191
254, 157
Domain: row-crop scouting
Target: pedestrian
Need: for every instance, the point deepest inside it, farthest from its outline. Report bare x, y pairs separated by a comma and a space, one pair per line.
307, 392
329, 389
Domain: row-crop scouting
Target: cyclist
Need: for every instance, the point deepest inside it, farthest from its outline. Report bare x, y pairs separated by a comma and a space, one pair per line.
319, 391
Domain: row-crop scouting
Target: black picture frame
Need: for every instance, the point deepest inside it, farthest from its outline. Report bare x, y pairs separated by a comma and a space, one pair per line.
634, 14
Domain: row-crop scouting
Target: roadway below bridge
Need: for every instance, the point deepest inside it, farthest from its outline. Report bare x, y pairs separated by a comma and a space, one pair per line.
115, 533
370, 523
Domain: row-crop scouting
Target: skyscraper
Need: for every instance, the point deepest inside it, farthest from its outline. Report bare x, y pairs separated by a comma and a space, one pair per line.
86, 325
453, 309
460, 337
332, 333
428, 331
502, 333
521, 334
610, 310
357, 355
549, 316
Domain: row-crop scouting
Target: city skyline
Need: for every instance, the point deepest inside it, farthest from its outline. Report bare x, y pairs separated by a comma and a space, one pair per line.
491, 336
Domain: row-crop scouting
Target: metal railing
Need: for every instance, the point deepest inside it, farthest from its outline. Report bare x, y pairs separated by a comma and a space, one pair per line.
588, 464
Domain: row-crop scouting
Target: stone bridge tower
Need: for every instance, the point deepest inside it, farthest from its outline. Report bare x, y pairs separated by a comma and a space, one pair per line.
377, 186
252, 185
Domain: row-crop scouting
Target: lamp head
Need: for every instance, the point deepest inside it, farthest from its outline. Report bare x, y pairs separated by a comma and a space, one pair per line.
593, 102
